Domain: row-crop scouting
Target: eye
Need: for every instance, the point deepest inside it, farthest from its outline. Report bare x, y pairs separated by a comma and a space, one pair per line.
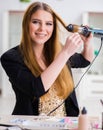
35, 21
49, 23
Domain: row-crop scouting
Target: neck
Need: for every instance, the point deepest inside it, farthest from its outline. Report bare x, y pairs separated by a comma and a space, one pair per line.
38, 51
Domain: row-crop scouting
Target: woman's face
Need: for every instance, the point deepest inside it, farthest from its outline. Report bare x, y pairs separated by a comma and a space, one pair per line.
41, 26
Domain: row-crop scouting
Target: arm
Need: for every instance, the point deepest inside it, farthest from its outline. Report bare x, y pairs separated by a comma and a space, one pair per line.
72, 44
81, 60
78, 61
88, 48
20, 76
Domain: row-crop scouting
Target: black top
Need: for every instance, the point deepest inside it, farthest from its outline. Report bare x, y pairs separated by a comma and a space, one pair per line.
29, 88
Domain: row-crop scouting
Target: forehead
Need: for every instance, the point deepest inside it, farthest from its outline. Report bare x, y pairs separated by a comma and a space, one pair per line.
43, 15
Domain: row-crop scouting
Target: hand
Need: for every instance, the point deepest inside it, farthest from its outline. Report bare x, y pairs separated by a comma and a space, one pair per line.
88, 51
72, 44
87, 40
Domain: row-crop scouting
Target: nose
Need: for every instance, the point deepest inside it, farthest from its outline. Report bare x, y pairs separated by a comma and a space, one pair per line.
42, 26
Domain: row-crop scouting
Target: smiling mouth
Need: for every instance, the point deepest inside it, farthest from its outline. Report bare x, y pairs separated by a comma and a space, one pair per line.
40, 34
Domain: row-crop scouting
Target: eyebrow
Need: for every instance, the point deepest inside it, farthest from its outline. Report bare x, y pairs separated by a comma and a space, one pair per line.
41, 20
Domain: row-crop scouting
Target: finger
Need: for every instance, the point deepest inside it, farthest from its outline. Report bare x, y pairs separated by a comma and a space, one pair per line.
77, 39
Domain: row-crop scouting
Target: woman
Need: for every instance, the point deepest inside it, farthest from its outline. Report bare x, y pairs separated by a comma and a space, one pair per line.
39, 69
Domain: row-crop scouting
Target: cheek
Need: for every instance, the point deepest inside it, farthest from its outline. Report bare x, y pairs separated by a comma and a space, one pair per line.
50, 31
31, 29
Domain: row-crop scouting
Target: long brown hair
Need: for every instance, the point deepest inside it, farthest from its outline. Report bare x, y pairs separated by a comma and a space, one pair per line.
52, 47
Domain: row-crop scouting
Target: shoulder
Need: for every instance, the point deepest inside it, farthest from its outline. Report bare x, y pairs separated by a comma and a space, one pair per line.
11, 54
13, 51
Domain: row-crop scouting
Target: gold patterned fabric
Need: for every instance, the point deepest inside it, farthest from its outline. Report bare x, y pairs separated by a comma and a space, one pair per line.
49, 102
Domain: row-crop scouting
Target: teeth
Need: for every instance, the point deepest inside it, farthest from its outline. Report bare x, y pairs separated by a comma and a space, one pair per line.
40, 34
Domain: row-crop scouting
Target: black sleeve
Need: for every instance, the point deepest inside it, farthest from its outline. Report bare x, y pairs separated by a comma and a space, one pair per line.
78, 61
20, 76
